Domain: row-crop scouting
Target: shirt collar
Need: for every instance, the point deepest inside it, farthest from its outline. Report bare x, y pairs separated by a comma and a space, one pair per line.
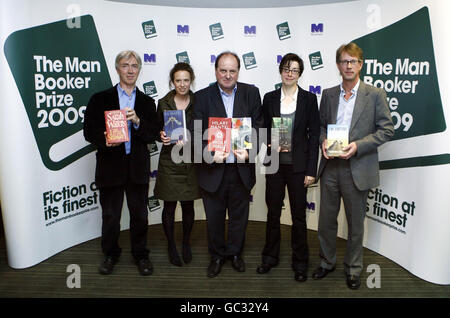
222, 92
122, 91
354, 89
294, 97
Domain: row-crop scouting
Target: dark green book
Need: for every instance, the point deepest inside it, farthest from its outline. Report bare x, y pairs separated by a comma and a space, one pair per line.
282, 128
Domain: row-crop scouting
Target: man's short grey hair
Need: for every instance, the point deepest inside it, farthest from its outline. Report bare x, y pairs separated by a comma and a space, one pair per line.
126, 55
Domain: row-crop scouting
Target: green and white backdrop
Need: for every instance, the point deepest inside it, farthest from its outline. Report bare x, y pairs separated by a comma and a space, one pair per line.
56, 54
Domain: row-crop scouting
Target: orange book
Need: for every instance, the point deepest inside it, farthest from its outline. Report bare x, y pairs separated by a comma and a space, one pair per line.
116, 126
219, 134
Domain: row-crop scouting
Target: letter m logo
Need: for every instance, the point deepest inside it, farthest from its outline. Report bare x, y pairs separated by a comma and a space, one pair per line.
279, 58
154, 174
315, 89
311, 206
183, 29
250, 29
316, 27
150, 58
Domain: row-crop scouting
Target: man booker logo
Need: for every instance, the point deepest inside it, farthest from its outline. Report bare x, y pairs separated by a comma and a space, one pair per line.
315, 59
182, 57
150, 89
216, 31
249, 60
149, 29
56, 86
283, 31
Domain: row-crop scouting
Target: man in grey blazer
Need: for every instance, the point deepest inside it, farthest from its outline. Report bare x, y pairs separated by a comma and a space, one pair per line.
364, 110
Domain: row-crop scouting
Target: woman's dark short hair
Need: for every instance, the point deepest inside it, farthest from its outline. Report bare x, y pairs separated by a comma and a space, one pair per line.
181, 66
288, 59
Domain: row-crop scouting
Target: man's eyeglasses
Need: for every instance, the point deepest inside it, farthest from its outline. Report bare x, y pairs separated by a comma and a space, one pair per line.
346, 62
294, 71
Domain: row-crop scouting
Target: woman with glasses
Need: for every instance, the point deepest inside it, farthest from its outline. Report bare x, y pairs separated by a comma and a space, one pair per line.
297, 143
177, 181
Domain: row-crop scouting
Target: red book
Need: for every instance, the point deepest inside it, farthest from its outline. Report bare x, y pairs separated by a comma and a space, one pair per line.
219, 134
116, 126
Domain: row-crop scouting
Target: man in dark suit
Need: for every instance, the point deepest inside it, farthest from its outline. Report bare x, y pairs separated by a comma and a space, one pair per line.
226, 182
364, 110
297, 166
123, 167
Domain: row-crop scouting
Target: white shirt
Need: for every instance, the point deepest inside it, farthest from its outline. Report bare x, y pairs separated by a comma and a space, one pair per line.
286, 108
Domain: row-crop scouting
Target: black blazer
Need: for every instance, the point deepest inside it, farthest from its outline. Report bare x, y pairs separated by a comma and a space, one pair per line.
305, 140
208, 103
111, 168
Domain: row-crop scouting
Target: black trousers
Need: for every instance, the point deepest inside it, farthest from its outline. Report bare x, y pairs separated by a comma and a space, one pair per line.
233, 196
275, 192
111, 200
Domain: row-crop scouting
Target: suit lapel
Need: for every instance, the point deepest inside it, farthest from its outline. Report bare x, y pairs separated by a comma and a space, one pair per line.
301, 100
137, 102
360, 103
113, 99
276, 104
217, 105
334, 103
238, 102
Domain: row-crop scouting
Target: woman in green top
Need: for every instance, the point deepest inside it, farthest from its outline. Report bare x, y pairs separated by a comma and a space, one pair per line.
177, 181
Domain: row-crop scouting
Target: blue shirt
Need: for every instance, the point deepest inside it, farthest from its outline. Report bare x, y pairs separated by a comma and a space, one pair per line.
126, 100
228, 101
345, 109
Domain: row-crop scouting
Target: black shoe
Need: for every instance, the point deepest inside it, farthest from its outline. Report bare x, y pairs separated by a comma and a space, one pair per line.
187, 254
238, 263
300, 276
264, 268
145, 267
353, 281
107, 265
214, 267
321, 272
174, 258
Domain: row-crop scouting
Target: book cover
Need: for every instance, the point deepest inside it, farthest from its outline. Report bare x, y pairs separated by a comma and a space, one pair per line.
175, 125
219, 134
282, 128
337, 138
116, 126
241, 133
283, 31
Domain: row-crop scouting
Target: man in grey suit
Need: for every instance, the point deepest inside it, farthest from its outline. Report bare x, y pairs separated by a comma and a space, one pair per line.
350, 176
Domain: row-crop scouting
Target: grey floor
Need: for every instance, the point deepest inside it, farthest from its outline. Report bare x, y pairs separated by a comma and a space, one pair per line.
49, 278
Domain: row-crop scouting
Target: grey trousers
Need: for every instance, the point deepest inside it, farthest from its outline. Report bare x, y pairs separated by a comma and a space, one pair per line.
336, 182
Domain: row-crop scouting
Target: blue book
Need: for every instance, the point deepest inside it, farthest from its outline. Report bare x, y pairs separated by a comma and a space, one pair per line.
175, 125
